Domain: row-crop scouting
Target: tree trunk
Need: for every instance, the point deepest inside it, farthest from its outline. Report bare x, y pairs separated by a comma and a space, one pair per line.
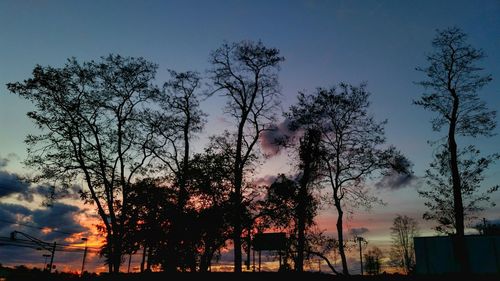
460, 249
238, 181
340, 234
205, 260
143, 261
237, 228
301, 225
150, 254
171, 256
117, 256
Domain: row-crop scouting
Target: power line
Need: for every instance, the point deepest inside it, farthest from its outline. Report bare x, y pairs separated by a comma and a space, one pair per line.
38, 227
9, 240
6, 241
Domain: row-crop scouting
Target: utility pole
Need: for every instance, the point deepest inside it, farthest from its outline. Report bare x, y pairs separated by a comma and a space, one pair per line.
42, 244
360, 239
84, 255
52, 257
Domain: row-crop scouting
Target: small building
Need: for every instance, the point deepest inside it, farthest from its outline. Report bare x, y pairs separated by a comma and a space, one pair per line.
435, 255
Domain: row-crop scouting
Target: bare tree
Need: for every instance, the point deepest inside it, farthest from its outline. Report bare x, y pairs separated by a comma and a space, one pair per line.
403, 230
91, 117
246, 74
352, 142
453, 79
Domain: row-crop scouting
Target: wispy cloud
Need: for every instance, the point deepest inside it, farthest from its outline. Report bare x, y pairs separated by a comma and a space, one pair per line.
394, 180
265, 180
358, 231
272, 140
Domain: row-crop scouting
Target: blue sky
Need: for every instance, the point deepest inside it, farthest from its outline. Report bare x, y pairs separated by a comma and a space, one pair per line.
324, 42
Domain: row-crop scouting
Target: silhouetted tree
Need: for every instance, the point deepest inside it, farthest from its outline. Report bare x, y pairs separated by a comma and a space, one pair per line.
372, 261
454, 80
211, 182
403, 230
246, 74
292, 200
439, 191
151, 214
310, 162
180, 118
352, 143
91, 117
281, 210
290, 208
321, 245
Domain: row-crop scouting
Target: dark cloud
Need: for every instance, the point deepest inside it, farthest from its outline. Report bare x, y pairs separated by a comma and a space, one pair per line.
358, 231
272, 140
394, 180
11, 183
59, 218
9, 213
51, 194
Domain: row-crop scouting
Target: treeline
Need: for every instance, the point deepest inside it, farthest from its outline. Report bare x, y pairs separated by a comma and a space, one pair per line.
107, 123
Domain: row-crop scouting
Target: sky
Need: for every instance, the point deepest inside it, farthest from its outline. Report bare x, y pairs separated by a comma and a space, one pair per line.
323, 42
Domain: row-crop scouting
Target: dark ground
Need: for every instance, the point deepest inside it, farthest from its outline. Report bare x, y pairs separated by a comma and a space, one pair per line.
226, 276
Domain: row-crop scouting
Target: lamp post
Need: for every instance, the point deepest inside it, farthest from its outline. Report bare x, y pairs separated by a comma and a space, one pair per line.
84, 255
360, 239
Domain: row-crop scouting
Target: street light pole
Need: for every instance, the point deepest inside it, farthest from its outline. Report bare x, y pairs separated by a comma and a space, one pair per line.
360, 239
84, 255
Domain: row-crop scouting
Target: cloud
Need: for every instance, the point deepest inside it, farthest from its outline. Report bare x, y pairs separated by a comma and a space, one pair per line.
358, 231
10, 212
265, 180
394, 180
3, 162
11, 183
49, 192
59, 217
59, 221
272, 140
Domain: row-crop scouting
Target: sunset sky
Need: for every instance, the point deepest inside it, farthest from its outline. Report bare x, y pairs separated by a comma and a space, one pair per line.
323, 42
